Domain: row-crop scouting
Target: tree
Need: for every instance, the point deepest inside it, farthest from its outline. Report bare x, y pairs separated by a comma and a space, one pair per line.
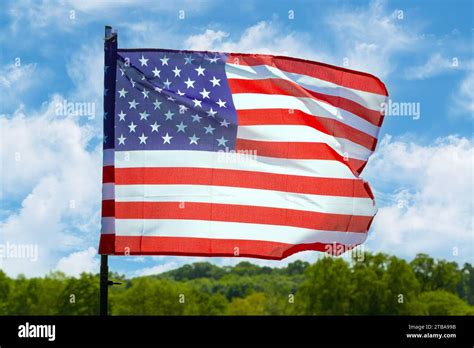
423, 267
327, 288
402, 287
441, 302
5, 287
148, 296
253, 304
369, 289
80, 296
465, 287
296, 268
446, 276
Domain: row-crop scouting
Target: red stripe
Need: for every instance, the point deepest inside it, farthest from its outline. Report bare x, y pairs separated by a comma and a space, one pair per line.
145, 245
242, 214
340, 76
298, 150
108, 174
284, 87
296, 117
108, 208
241, 178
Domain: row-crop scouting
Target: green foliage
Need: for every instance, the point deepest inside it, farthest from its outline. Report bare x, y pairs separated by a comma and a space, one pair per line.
441, 302
372, 284
327, 288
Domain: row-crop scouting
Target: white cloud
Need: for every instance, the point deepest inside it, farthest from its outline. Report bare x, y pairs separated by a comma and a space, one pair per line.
164, 267
86, 71
430, 205
54, 181
464, 96
435, 65
265, 37
370, 38
16, 81
206, 41
79, 262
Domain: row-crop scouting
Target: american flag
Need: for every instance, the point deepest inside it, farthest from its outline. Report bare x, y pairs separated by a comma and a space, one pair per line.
218, 154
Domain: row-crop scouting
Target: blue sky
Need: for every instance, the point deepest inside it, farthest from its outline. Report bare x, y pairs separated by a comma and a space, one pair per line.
422, 171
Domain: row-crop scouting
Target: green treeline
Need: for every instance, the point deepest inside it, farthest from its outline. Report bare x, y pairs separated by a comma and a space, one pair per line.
375, 284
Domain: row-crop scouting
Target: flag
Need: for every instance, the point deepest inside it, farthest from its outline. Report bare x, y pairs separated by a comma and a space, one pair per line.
225, 154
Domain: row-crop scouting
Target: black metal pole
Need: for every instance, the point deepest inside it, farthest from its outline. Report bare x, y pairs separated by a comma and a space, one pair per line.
104, 284
110, 51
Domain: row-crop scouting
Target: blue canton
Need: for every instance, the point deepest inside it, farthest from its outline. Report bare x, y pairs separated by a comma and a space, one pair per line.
173, 100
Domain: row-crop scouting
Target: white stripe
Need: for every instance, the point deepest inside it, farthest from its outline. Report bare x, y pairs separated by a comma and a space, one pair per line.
371, 101
344, 147
245, 196
233, 161
108, 157
108, 191
251, 101
233, 230
108, 225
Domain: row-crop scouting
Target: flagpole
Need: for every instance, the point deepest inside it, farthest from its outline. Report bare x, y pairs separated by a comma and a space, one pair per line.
104, 285
110, 46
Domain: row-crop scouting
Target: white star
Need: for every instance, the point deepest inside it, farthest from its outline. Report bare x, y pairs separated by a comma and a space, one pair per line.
132, 82
213, 60
158, 89
122, 115
167, 84
143, 61
164, 60
180, 93
145, 93
181, 127
143, 139
154, 127
204, 93
122, 93
156, 72
211, 113
121, 139
132, 127
157, 104
189, 83
167, 139
188, 60
197, 103
200, 70
133, 104
221, 141
225, 124
144, 116
169, 115
193, 139
209, 129
215, 82
122, 71
171, 98
177, 72
196, 118
221, 103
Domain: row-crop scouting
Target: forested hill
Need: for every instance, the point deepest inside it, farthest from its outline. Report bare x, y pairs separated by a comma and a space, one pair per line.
376, 284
